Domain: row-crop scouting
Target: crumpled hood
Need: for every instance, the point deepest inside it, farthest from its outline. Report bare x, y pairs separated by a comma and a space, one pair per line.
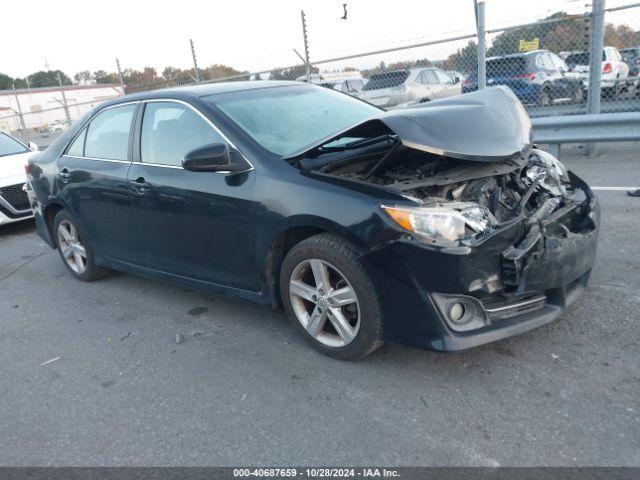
488, 125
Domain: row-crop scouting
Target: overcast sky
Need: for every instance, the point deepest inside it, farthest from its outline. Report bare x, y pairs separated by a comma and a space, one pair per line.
76, 35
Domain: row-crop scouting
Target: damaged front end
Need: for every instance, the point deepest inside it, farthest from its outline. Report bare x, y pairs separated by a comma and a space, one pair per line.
497, 237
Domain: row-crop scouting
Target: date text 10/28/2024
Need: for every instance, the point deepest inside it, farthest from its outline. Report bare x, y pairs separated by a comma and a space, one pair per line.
315, 472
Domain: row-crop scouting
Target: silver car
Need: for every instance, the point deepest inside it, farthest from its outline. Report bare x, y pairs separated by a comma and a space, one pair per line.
397, 88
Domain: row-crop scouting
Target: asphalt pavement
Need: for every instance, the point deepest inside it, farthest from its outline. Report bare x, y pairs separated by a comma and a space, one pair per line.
243, 388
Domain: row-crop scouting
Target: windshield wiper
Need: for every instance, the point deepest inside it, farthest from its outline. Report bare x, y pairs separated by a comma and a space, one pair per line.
363, 142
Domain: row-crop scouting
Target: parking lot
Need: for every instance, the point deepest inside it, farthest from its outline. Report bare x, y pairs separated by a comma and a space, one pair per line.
244, 388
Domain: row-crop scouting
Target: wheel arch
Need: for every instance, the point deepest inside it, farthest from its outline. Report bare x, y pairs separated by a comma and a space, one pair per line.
48, 214
290, 236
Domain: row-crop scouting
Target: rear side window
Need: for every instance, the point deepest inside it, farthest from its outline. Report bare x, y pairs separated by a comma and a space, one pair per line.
171, 130
506, 66
108, 133
354, 85
77, 147
427, 76
387, 80
581, 58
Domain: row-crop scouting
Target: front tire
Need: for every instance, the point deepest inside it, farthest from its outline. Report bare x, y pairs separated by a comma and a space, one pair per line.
74, 248
578, 94
329, 297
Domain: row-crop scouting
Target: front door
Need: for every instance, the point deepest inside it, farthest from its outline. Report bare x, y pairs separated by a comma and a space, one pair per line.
192, 224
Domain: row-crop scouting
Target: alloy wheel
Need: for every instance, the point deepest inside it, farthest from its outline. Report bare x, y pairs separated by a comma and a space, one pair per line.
73, 251
545, 99
324, 302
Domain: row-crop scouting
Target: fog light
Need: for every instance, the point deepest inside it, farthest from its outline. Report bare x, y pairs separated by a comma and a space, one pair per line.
456, 312
462, 313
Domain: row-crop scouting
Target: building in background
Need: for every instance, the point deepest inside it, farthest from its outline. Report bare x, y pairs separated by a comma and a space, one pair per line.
43, 109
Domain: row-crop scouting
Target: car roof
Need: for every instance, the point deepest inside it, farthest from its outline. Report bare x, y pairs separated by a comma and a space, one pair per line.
515, 55
204, 90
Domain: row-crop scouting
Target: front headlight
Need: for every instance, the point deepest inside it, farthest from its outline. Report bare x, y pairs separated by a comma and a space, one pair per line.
550, 171
555, 166
443, 224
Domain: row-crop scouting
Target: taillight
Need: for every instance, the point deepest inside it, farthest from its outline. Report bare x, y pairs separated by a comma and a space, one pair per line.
26, 168
526, 76
467, 82
607, 68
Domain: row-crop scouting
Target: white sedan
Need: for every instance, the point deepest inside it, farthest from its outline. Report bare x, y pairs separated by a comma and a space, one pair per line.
14, 204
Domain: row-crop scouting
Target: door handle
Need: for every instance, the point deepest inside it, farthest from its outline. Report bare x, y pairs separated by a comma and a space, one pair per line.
64, 174
140, 185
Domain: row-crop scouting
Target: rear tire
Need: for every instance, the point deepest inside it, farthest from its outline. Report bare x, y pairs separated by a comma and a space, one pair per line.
346, 325
74, 248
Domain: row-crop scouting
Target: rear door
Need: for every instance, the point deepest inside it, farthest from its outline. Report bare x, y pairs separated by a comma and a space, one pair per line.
427, 83
193, 224
92, 178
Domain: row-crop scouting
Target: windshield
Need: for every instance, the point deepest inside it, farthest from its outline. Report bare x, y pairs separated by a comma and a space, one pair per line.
9, 146
387, 80
285, 119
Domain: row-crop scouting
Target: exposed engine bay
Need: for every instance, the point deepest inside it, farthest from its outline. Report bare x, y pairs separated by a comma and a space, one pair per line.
537, 187
467, 162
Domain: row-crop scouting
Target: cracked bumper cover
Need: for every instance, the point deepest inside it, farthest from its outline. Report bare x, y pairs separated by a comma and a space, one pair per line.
406, 272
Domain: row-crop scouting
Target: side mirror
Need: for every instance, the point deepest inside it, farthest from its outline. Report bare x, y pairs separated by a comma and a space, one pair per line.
32, 146
214, 157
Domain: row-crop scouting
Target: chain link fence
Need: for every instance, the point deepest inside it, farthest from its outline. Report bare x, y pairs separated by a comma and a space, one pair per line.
546, 63
40, 115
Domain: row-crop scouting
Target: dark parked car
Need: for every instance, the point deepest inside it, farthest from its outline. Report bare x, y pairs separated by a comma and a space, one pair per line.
440, 227
538, 77
632, 57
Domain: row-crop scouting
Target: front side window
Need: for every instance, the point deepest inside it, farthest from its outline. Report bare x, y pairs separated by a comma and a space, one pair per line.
171, 130
108, 133
286, 119
442, 77
9, 146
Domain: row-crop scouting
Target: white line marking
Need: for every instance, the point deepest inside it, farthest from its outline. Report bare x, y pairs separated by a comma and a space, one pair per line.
614, 189
50, 361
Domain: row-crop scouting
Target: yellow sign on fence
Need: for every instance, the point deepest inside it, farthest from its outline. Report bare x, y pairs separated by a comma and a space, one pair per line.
528, 45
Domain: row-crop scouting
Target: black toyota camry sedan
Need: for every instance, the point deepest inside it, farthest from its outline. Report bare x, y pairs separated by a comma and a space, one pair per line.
439, 226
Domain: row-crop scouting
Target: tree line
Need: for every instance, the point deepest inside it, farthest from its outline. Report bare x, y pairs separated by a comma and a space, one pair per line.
572, 33
569, 33
145, 77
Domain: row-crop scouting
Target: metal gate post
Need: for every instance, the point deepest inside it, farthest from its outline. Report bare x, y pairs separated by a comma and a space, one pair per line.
595, 64
482, 45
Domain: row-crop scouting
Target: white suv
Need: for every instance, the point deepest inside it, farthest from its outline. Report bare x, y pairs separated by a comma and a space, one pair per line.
397, 88
14, 204
615, 71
